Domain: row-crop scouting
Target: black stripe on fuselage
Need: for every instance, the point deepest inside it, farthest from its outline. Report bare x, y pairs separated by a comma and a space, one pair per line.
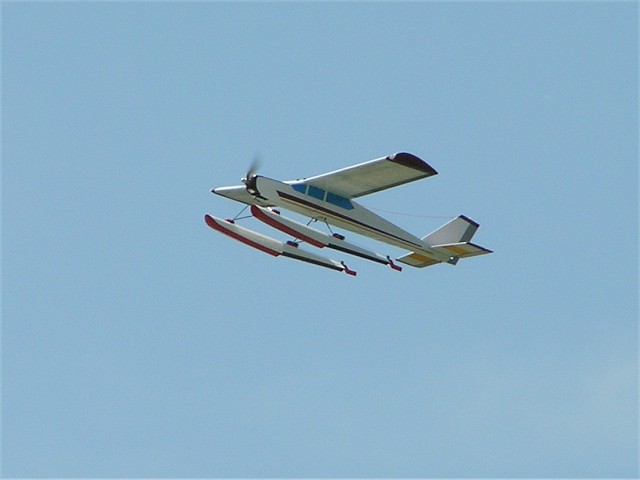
322, 209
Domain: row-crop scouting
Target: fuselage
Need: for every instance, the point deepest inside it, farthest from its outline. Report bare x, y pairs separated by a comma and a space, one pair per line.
336, 210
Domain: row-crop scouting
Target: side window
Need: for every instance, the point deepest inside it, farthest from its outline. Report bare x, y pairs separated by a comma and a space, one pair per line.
300, 187
339, 201
316, 192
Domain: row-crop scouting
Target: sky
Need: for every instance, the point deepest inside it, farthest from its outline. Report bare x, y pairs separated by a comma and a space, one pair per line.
137, 342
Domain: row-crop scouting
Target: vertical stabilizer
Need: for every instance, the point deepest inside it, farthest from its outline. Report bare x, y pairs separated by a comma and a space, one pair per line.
460, 229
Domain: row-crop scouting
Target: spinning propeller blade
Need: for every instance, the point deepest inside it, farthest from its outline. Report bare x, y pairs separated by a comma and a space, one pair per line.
250, 178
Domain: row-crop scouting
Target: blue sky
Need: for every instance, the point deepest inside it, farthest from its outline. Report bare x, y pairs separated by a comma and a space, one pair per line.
136, 342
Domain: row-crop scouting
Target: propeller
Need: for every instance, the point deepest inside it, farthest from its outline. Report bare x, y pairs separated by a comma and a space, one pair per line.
250, 178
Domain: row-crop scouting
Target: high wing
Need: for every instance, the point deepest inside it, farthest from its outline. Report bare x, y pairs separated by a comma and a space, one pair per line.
372, 176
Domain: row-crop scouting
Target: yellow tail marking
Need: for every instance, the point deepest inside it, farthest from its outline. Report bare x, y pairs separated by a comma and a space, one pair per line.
457, 250
422, 258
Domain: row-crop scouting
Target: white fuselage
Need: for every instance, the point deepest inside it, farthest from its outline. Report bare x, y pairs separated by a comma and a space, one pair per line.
338, 211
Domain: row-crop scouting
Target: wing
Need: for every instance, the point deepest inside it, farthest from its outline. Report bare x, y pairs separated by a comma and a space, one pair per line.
372, 176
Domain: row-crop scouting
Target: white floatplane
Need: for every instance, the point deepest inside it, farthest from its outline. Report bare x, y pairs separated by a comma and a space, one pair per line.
329, 199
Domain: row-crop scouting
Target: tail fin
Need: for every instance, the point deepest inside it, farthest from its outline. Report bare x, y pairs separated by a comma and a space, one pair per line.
458, 230
453, 239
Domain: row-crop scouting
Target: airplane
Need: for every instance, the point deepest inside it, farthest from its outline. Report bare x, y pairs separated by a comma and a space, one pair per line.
329, 198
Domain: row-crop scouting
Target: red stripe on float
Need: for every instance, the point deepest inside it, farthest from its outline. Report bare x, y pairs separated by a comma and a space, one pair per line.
216, 226
263, 217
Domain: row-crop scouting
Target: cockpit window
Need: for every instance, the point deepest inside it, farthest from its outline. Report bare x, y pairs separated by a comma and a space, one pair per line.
300, 187
316, 192
319, 193
339, 201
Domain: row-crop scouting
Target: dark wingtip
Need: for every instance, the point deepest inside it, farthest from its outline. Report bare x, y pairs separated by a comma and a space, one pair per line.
412, 161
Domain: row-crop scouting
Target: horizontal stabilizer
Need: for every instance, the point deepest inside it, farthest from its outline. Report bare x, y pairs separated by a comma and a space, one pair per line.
416, 259
455, 251
461, 250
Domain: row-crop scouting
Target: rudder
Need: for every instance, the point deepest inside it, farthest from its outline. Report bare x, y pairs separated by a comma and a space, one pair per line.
458, 230
451, 241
